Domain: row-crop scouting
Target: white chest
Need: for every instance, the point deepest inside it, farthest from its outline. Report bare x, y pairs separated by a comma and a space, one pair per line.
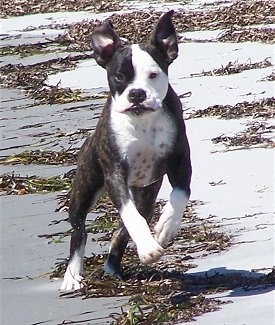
143, 142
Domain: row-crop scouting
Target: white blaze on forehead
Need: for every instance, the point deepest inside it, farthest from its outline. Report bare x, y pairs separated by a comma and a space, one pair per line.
144, 65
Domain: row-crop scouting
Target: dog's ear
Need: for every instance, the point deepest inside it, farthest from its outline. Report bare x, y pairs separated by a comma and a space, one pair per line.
164, 37
105, 41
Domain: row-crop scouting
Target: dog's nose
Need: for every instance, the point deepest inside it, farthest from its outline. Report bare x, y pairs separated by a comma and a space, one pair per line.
136, 96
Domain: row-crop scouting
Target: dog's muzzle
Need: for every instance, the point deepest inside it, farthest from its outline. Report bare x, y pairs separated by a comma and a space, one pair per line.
137, 97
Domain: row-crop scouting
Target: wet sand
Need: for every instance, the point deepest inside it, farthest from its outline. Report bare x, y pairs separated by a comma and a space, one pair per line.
242, 205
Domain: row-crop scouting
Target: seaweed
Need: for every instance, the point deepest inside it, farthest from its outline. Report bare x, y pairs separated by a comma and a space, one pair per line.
33, 79
20, 185
264, 108
254, 136
264, 34
35, 6
24, 50
42, 157
270, 77
234, 67
236, 15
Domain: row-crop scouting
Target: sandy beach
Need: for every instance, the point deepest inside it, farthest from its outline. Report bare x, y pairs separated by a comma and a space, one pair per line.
235, 183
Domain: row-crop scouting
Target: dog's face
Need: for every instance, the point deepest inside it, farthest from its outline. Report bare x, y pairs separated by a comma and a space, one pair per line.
137, 83
137, 74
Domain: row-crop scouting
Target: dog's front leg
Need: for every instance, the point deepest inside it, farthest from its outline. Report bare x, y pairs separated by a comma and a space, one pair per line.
149, 250
179, 174
170, 220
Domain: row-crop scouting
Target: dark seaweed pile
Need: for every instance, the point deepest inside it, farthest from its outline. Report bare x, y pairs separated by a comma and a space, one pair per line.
32, 78
256, 135
264, 108
21, 185
234, 67
233, 17
20, 8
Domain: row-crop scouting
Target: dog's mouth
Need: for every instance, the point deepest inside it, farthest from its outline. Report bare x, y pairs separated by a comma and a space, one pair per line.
139, 110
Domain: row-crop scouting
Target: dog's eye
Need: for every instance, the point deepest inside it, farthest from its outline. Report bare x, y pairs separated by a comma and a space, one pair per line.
153, 75
119, 77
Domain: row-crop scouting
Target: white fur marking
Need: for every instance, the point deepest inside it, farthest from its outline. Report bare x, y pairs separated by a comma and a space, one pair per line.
170, 220
149, 250
142, 141
74, 274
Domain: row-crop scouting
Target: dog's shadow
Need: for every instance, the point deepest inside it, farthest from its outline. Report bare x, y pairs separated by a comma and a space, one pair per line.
234, 283
238, 282
179, 285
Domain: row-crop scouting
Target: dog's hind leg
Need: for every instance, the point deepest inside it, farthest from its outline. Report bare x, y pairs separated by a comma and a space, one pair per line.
144, 198
87, 187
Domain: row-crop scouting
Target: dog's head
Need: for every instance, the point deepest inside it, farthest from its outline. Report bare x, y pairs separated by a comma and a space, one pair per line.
137, 74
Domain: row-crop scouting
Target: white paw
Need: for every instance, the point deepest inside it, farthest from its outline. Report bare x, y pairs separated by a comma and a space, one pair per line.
166, 230
150, 252
71, 281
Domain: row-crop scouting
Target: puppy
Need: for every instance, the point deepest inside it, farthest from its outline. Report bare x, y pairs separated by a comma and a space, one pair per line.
139, 138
